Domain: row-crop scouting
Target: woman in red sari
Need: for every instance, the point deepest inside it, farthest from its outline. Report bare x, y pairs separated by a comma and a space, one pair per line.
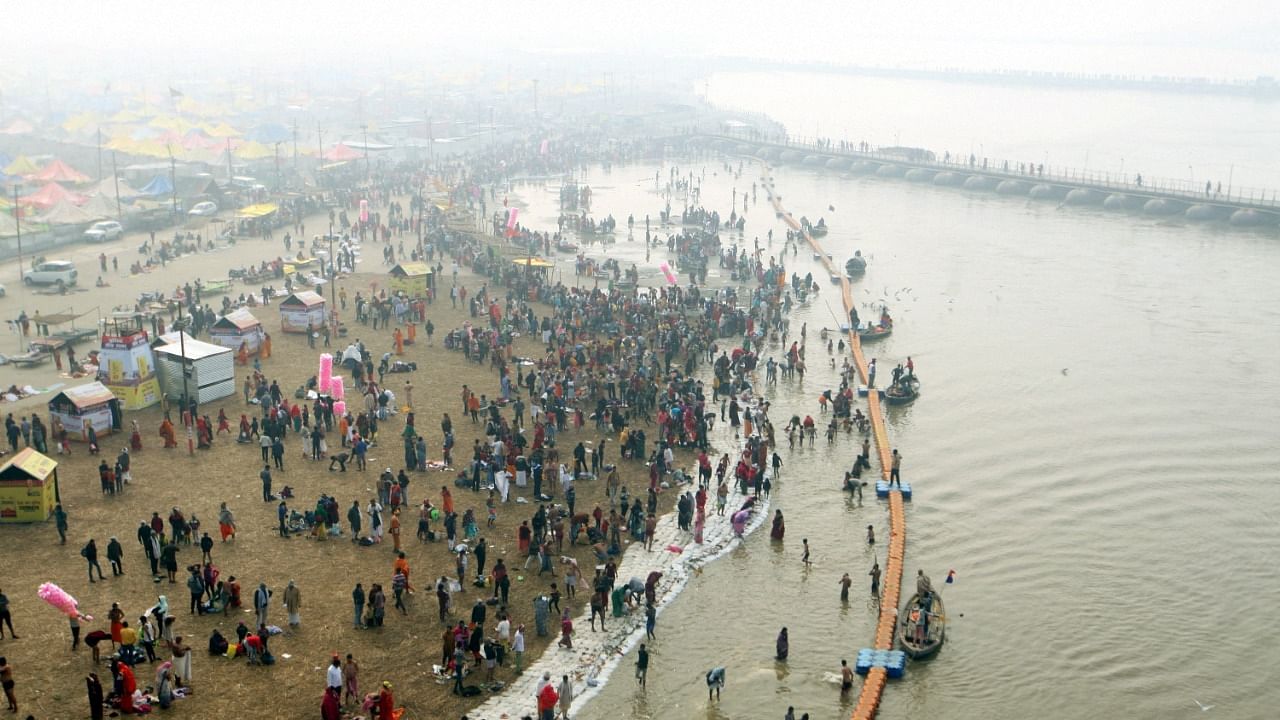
128, 684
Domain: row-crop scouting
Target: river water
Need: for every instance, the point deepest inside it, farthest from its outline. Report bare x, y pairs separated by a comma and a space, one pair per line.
1094, 454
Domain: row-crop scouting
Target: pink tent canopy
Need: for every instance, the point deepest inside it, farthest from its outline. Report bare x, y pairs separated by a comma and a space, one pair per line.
58, 171
50, 195
340, 152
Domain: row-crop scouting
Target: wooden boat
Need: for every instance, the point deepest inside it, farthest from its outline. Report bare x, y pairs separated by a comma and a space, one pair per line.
818, 231
904, 393
875, 332
568, 247
914, 647
856, 266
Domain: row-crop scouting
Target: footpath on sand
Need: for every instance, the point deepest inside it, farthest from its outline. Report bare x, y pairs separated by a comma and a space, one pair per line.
595, 655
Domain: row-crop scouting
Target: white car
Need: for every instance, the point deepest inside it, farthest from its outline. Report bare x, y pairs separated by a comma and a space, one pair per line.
104, 231
54, 272
204, 209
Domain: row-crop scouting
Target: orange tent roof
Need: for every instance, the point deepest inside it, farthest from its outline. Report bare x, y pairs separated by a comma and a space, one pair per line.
340, 152
49, 195
58, 171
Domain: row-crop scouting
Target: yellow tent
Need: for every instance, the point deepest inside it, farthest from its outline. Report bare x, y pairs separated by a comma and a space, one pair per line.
253, 150
126, 116
151, 148
222, 130
75, 123
22, 166
257, 211
168, 122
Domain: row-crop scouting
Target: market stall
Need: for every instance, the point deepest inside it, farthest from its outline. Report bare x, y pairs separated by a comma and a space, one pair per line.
411, 278
126, 365
85, 406
28, 487
208, 369
302, 310
237, 328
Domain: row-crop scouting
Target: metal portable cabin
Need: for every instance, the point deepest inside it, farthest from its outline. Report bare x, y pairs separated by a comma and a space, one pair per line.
209, 370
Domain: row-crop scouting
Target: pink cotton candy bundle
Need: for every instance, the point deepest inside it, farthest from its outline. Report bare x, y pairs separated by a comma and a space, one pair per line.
335, 388
666, 272
340, 408
59, 598
326, 372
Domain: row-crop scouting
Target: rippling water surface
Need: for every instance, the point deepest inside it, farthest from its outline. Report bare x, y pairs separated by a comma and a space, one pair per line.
1095, 454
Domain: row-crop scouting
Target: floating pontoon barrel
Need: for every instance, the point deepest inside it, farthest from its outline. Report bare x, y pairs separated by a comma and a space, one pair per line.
980, 182
1249, 217
1084, 196
1163, 206
1207, 213
1048, 192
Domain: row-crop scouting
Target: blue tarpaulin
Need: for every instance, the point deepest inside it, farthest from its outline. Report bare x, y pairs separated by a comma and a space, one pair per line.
159, 185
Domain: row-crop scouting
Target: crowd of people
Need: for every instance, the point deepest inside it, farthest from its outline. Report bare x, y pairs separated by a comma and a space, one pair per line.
586, 385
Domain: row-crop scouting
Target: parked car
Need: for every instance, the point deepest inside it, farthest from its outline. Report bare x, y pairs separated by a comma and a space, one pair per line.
104, 231
204, 209
54, 272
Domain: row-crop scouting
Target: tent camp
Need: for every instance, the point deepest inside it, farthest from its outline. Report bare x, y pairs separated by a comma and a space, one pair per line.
66, 213
22, 167
58, 171
100, 206
210, 372
340, 153
302, 310
80, 407
49, 195
159, 185
28, 487
108, 188
236, 328
411, 278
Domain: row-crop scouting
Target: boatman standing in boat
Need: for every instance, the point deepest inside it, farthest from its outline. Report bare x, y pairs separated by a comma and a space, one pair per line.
923, 585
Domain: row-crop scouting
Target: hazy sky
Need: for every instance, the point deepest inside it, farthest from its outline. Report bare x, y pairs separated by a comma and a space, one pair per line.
188, 38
